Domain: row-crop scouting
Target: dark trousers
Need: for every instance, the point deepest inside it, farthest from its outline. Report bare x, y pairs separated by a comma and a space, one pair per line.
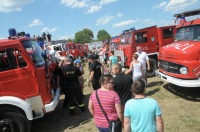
74, 93
95, 84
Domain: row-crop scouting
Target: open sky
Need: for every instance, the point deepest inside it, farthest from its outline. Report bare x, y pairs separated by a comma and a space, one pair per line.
63, 18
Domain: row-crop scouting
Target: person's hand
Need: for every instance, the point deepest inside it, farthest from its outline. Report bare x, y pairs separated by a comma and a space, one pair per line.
148, 68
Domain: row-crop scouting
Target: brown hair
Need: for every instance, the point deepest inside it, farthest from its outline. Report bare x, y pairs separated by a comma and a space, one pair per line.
135, 56
118, 66
105, 78
138, 87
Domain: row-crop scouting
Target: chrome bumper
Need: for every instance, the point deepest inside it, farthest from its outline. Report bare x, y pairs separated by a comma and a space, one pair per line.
178, 81
51, 106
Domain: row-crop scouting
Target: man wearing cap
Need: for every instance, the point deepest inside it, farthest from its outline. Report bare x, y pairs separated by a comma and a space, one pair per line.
72, 86
96, 69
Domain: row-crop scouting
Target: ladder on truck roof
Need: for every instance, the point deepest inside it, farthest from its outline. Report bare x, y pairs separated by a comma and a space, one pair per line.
188, 13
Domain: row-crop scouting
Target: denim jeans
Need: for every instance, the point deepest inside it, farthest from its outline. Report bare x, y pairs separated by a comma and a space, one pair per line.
103, 129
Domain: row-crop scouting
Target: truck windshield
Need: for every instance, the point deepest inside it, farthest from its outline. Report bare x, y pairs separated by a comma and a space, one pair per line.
188, 33
126, 38
34, 51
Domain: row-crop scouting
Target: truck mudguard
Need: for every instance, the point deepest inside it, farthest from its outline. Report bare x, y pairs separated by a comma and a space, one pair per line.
14, 101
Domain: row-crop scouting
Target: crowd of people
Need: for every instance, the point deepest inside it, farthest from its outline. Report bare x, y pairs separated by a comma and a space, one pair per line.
116, 96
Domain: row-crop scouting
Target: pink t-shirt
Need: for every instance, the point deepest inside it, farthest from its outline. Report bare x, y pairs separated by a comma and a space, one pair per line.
108, 99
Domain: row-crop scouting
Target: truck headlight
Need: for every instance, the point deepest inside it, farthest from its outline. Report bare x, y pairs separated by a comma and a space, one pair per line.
183, 70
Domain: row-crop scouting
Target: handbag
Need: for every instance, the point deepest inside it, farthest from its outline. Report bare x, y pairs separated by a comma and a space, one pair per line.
114, 125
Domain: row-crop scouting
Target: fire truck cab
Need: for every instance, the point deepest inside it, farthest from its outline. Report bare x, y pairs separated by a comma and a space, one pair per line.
25, 89
151, 39
179, 62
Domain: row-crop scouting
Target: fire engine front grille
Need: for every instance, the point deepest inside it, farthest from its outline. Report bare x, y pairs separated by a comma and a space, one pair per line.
170, 67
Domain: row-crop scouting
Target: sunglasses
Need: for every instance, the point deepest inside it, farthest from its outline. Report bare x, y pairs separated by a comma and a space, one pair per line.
111, 82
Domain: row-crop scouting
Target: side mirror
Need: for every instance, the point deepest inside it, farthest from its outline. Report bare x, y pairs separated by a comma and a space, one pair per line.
44, 54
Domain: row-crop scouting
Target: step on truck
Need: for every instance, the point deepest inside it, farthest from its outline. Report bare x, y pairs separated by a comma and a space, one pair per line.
151, 39
25, 89
179, 62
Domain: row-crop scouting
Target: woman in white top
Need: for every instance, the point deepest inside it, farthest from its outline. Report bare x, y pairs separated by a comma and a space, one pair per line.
136, 68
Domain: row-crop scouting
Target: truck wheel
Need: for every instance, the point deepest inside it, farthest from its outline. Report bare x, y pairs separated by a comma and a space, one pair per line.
14, 122
153, 66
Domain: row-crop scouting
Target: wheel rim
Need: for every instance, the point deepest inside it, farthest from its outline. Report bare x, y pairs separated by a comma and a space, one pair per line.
7, 125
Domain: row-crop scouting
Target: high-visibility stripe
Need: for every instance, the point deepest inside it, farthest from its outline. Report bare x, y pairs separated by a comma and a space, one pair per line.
72, 107
81, 105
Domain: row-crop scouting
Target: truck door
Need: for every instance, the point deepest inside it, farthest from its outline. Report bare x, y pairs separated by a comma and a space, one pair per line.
147, 39
16, 75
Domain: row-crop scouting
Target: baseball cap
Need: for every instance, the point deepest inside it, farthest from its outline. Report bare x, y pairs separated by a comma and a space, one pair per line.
93, 56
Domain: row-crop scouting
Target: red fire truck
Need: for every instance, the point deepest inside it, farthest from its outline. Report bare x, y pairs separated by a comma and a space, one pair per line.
179, 62
25, 89
151, 39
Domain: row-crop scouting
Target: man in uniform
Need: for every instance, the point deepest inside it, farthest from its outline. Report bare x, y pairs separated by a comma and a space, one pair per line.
96, 69
72, 88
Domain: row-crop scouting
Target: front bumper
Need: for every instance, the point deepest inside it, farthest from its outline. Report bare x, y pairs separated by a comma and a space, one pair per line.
178, 81
51, 106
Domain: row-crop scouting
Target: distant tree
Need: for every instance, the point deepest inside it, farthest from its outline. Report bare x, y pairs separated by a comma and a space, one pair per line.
69, 40
103, 35
84, 36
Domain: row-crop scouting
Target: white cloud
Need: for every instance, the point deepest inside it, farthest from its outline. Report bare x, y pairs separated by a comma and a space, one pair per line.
119, 14
124, 23
13, 5
104, 20
67, 37
148, 20
107, 1
161, 5
94, 8
74, 3
49, 30
175, 5
35, 22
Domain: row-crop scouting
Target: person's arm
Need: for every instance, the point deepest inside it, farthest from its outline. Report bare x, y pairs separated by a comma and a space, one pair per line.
159, 123
148, 65
127, 124
81, 81
91, 76
110, 66
130, 69
90, 107
82, 70
61, 63
143, 75
118, 108
102, 69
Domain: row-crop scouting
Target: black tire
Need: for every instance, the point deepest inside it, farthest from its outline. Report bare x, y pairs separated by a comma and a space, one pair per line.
153, 66
13, 121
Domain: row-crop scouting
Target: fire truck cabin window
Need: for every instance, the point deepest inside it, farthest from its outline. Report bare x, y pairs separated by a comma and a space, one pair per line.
21, 61
126, 38
141, 37
5, 63
168, 33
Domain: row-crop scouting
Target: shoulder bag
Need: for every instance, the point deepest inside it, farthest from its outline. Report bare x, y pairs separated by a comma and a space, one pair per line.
115, 125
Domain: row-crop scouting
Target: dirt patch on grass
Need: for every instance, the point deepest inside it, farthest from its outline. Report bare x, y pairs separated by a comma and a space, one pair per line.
180, 110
